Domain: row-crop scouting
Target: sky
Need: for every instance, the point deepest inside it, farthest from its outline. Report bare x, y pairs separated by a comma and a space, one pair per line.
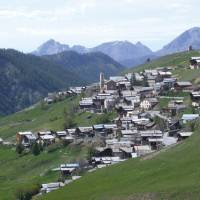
26, 24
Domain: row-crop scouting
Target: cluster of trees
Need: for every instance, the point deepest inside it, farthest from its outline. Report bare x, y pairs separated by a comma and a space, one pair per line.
91, 152
35, 149
134, 81
69, 116
160, 123
193, 125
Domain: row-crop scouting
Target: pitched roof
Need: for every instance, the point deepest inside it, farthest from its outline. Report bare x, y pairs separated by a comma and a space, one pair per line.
142, 148
184, 83
47, 137
185, 134
25, 133
129, 132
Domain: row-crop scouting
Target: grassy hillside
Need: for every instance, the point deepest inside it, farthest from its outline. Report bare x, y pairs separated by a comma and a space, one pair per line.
28, 169
179, 61
49, 117
18, 170
173, 174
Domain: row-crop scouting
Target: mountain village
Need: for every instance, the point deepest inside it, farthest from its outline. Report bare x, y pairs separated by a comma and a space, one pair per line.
141, 126
100, 100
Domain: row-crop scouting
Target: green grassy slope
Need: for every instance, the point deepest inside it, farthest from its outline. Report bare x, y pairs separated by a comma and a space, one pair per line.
29, 169
50, 117
180, 61
36, 118
18, 170
173, 174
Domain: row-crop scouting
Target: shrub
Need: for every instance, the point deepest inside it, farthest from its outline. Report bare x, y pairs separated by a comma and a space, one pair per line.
68, 119
65, 143
41, 146
52, 119
193, 125
25, 192
19, 148
53, 147
91, 152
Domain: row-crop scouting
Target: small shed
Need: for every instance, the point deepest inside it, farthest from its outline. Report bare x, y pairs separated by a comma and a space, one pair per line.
26, 138
184, 135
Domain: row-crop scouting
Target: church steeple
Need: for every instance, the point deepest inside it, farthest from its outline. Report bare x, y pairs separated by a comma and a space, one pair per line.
102, 81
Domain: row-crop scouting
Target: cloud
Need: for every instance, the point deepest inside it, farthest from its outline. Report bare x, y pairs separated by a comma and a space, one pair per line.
94, 21
36, 14
49, 13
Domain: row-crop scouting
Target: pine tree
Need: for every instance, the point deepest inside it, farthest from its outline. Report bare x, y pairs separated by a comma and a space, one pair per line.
133, 79
35, 149
148, 60
68, 119
145, 82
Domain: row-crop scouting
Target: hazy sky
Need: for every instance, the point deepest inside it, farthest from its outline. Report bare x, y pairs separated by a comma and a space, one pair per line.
25, 24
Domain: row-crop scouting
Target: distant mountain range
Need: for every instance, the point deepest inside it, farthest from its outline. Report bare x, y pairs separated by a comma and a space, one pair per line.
123, 52
26, 78
127, 53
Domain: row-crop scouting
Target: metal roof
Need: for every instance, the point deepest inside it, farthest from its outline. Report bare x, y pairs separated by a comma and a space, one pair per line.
190, 116
47, 137
184, 83
25, 133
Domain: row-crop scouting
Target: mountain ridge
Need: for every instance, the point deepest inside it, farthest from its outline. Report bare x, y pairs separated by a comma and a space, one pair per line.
190, 37
127, 53
26, 78
120, 51
89, 65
